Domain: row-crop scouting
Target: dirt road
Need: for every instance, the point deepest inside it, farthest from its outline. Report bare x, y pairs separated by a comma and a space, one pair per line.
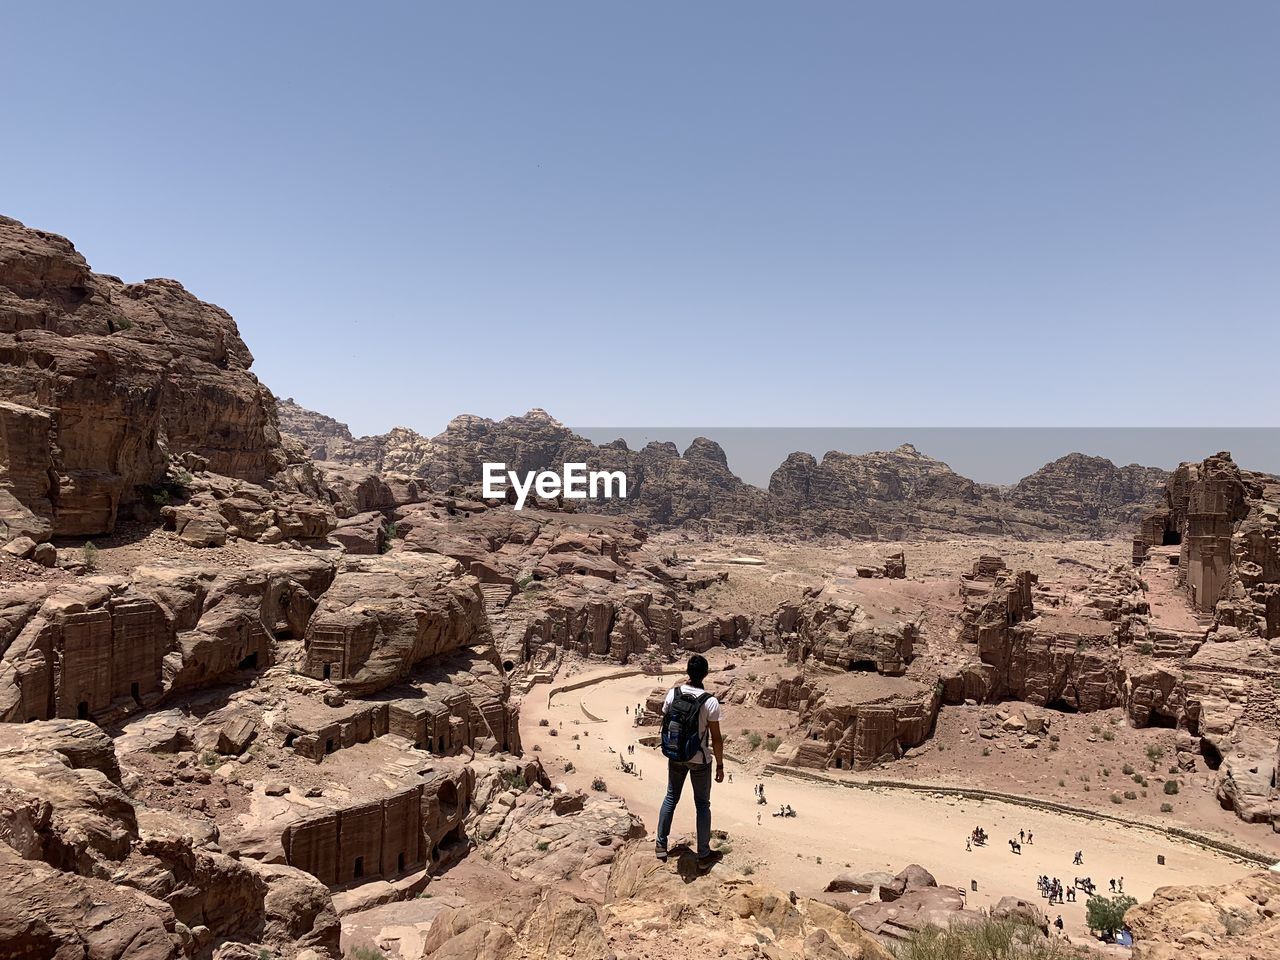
860, 830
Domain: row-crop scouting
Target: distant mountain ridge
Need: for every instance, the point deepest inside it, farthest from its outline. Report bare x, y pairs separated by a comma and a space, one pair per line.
889, 495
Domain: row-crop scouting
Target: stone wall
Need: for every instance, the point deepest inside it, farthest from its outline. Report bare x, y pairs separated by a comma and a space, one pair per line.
382, 837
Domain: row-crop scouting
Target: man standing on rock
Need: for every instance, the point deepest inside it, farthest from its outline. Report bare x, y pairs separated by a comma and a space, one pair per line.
690, 736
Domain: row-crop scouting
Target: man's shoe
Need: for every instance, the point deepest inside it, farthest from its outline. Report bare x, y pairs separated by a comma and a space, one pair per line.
661, 853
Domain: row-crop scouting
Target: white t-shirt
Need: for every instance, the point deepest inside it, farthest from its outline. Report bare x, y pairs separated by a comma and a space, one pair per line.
710, 714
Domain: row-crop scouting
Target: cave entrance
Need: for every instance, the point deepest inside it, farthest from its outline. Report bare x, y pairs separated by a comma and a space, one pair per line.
449, 841
82, 710
1212, 758
1162, 720
440, 745
448, 797
289, 738
400, 863
1171, 538
508, 665
250, 662
135, 691
1062, 705
328, 745
327, 670
862, 666
839, 763
359, 868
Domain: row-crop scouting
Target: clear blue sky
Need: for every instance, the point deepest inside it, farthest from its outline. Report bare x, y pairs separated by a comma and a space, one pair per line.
829, 213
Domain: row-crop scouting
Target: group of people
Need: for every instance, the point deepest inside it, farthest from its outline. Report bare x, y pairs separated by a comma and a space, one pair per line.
1054, 890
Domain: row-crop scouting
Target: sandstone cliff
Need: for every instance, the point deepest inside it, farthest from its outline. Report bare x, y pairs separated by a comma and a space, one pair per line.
104, 381
903, 492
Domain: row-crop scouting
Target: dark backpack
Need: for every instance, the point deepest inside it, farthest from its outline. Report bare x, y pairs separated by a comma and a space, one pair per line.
681, 738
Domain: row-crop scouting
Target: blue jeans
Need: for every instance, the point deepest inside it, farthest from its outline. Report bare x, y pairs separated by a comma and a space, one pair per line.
700, 777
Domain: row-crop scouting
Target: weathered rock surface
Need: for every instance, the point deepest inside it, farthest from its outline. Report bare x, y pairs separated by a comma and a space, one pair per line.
647, 907
547, 837
904, 492
103, 381
104, 645
48, 913
1199, 923
384, 615
1091, 495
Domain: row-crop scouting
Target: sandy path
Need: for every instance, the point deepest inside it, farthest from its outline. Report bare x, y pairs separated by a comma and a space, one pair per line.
870, 830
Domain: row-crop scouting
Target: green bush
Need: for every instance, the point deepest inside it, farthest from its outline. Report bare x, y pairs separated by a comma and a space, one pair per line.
1171, 787
365, 953
772, 743
1166, 808
89, 556
1127, 770
599, 785
1108, 735
755, 740
1130, 795
1106, 914
1116, 798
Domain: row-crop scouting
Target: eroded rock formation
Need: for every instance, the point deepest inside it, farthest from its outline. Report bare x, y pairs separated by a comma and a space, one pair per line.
104, 381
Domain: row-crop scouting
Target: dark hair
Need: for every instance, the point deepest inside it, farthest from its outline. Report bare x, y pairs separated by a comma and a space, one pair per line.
698, 668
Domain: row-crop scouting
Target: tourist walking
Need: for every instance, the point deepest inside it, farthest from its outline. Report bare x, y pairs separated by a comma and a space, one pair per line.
690, 737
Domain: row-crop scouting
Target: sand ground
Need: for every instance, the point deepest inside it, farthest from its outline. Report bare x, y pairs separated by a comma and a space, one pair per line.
841, 829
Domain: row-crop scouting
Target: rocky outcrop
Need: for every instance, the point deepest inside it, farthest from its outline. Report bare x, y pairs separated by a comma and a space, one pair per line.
1208, 923
104, 381
908, 902
548, 837
850, 733
384, 615
317, 433
104, 646
647, 907
556, 582
45, 912
831, 627
903, 492
1226, 523
1090, 495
